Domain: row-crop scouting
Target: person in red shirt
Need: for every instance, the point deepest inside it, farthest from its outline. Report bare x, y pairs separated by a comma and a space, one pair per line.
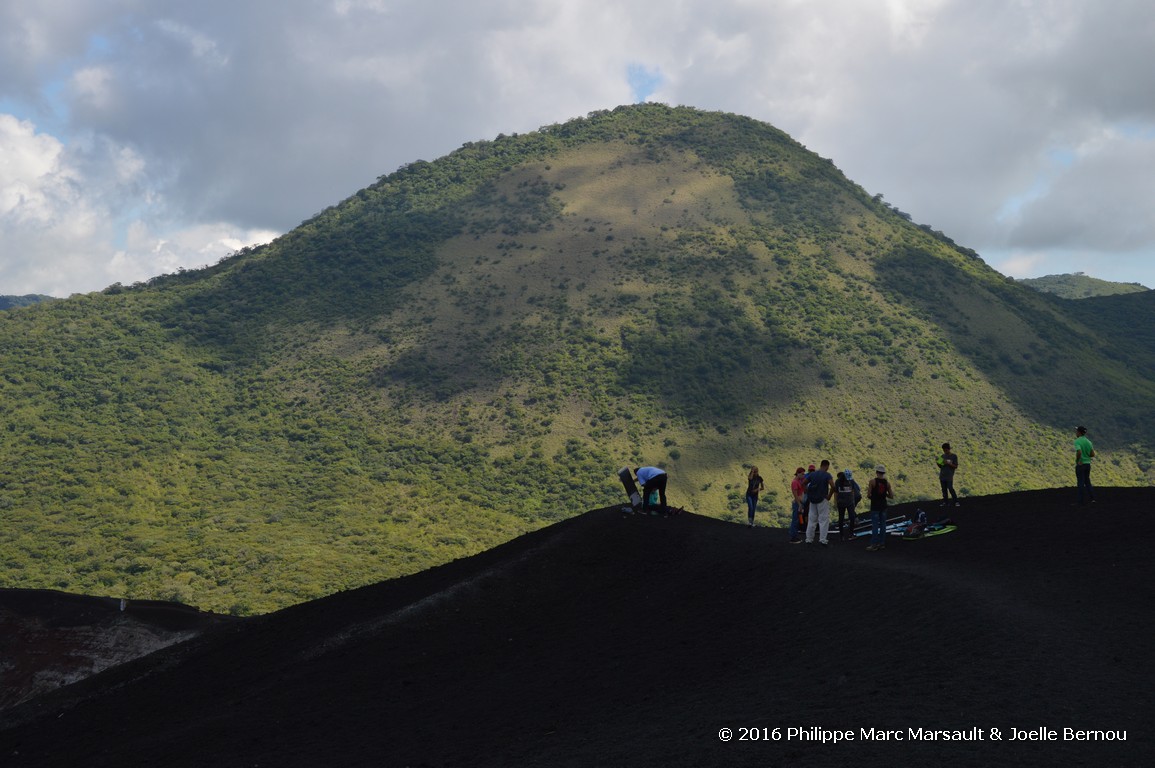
798, 499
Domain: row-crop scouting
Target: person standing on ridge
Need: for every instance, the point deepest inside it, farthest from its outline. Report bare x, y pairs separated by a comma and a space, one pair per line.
797, 495
878, 490
1084, 452
652, 479
754, 486
819, 489
947, 464
849, 494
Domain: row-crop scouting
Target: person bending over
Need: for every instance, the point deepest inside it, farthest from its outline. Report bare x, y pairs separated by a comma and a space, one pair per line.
652, 479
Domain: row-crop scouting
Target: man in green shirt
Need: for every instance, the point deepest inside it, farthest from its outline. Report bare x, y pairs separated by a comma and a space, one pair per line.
1084, 452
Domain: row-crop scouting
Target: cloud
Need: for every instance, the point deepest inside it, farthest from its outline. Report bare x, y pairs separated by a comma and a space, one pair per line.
69, 223
1020, 127
42, 209
1020, 264
1101, 200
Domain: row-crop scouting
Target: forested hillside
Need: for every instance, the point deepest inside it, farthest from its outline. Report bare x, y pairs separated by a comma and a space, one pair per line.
470, 348
8, 302
1080, 286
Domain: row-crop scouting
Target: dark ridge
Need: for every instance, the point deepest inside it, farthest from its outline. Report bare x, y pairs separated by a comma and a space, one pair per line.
622, 640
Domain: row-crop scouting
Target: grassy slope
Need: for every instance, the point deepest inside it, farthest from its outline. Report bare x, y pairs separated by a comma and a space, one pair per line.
470, 349
1080, 286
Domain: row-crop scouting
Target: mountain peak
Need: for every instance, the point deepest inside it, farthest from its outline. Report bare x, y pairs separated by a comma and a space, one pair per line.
469, 349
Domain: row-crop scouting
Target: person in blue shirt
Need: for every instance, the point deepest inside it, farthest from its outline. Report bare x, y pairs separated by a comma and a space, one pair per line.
652, 479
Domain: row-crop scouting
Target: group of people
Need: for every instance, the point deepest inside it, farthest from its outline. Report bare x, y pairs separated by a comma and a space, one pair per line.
813, 490
811, 493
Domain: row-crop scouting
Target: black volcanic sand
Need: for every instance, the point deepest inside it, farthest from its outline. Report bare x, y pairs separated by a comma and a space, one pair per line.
49, 637
632, 641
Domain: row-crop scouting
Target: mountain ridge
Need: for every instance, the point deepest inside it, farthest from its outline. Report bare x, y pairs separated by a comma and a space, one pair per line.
616, 639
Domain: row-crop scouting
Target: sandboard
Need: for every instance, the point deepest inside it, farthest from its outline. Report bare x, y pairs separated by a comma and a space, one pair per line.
899, 529
631, 487
864, 524
894, 524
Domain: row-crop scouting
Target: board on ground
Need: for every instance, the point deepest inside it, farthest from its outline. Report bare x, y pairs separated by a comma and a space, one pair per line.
864, 525
893, 525
934, 529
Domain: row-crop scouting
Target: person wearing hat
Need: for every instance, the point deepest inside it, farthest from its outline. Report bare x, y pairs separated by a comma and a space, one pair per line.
947, 464
878, 490
1084, 452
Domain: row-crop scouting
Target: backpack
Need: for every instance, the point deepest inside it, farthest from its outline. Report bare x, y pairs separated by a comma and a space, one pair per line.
880, 488
917, 527
816, 493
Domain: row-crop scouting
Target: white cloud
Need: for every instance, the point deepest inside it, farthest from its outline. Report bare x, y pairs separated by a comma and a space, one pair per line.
1019, 264
67, 217
1102, 200
250, 117
92, 87
43, 211
31, 178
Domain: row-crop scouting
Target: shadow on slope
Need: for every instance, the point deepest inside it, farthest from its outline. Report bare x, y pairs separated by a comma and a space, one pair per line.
611, 640
1025, 342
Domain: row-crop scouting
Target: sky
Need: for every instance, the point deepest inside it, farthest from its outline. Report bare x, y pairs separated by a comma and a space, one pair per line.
141, 137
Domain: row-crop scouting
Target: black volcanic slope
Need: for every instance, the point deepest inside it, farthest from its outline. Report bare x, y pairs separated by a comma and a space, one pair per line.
50, 638
613, 641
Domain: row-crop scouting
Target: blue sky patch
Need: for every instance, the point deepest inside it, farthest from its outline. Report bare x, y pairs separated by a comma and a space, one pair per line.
643, 81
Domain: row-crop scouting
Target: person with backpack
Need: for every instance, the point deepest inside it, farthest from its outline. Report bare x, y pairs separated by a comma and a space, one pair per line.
848, 494
878, 490
819, 490
947, 464
754, 485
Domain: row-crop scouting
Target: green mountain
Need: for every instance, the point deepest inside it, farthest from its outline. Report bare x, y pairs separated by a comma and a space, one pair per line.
9, 302
1080, 286
470, 348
